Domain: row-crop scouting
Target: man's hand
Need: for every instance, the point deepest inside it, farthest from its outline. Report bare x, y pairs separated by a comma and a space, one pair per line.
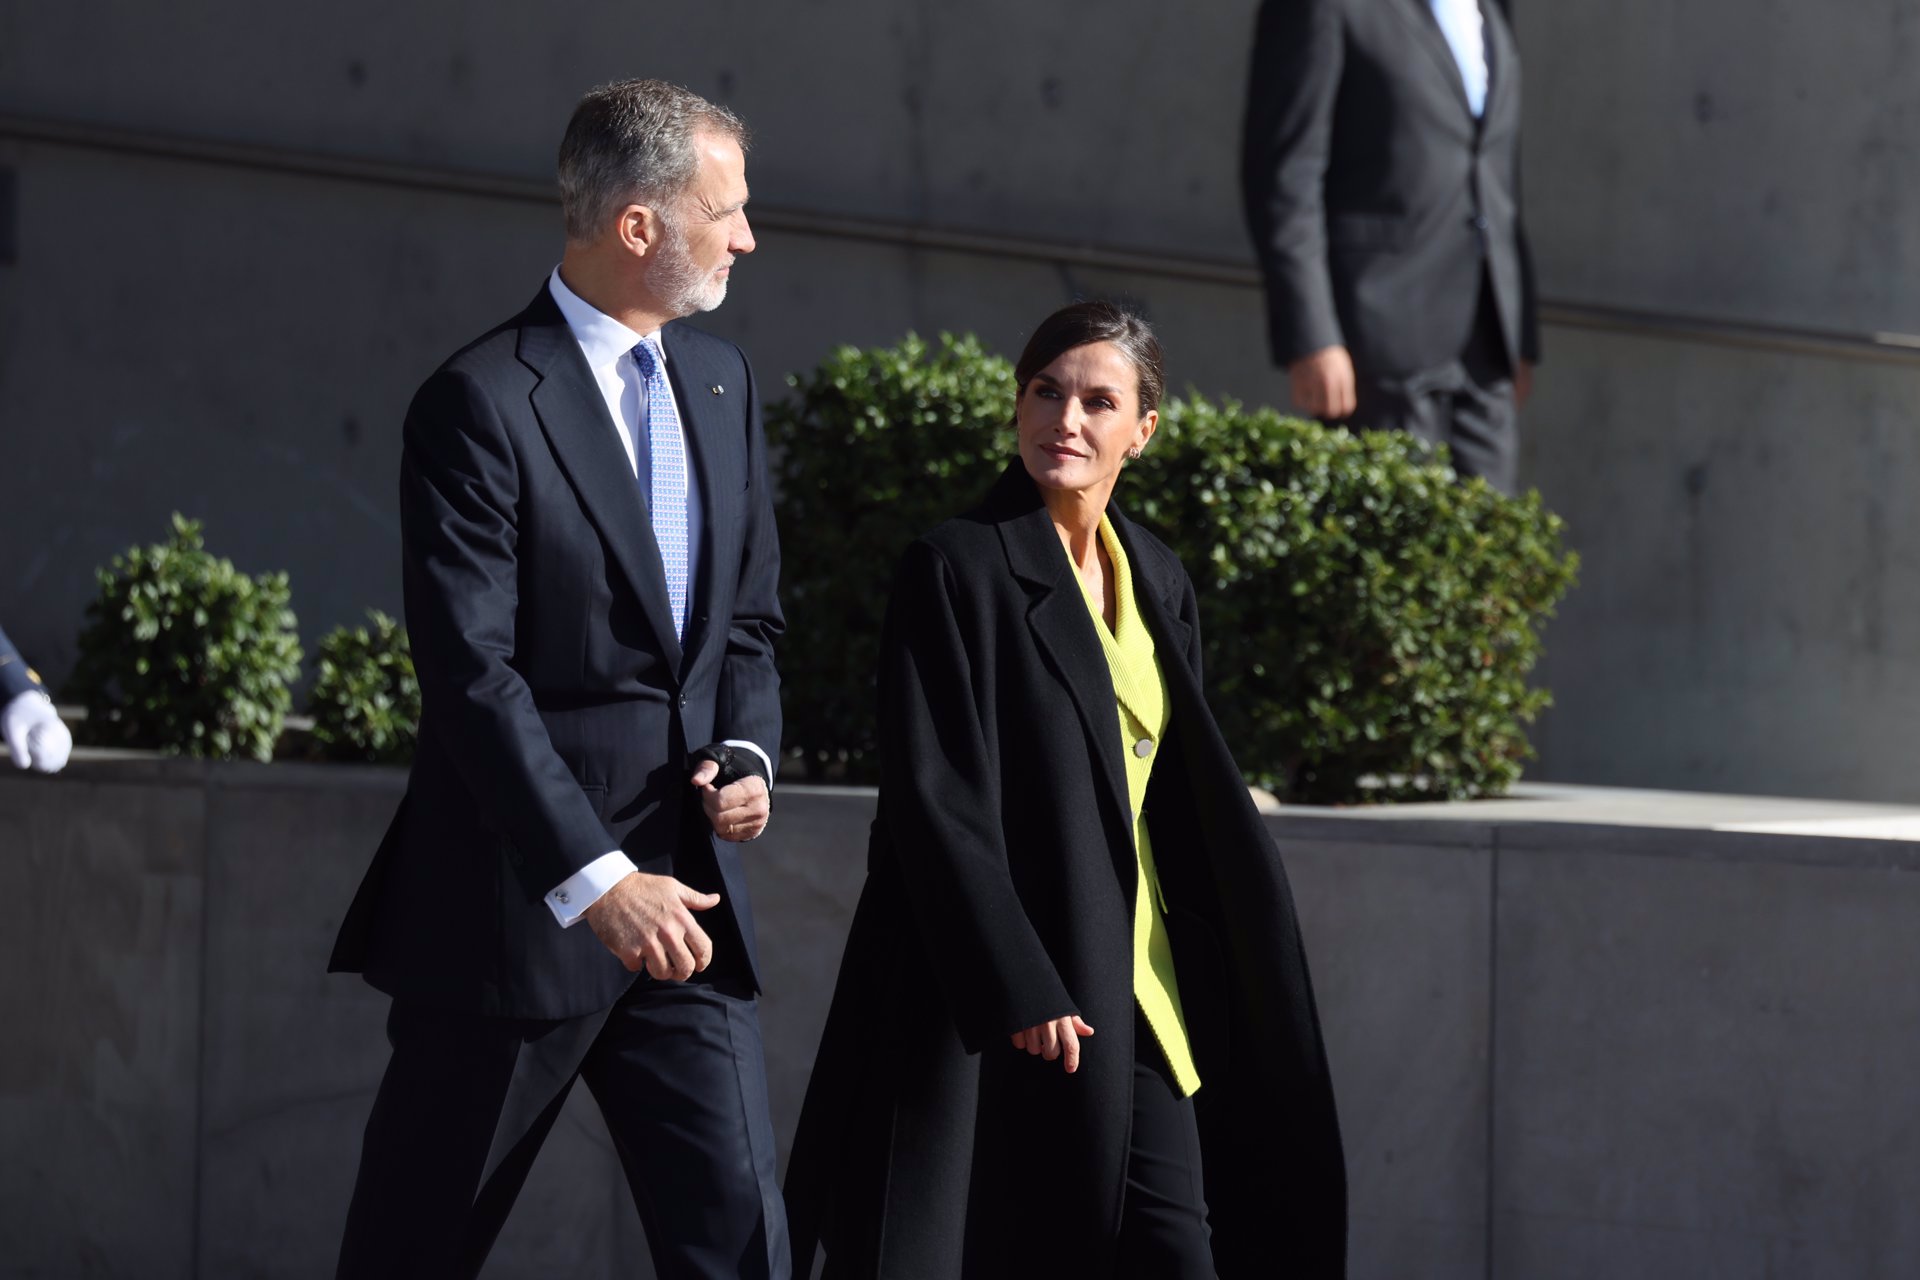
35, 736
739, 810
1057, 1039
1522, 383
1323, 384
647, 921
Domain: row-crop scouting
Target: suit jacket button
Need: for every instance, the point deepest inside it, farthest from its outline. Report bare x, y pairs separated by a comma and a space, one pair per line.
683, 700
1143, 748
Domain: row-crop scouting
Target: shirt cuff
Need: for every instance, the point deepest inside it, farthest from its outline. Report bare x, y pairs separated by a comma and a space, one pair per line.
753, 747
587, 886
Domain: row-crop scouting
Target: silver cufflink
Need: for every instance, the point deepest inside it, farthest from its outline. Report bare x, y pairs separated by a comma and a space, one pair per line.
717, 389
560, 898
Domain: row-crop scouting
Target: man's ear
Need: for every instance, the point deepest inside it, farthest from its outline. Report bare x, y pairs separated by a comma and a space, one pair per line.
639, 230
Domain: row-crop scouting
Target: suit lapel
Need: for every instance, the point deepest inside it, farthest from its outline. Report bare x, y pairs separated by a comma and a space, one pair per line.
1503, 56
574, 416
708, 416
1062, 630
1434, 40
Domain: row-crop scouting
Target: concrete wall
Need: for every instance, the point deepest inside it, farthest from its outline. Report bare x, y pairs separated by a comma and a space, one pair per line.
241, 344
1746, 619
1561, 1048
184, 1089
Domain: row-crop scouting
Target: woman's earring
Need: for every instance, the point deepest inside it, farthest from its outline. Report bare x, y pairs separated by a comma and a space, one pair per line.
1134, 454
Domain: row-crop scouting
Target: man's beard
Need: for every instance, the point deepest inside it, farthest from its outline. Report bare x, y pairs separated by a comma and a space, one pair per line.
678, 281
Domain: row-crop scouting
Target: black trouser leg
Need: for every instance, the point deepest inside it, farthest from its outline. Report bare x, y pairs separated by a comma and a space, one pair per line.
1485, 432
437, 1172
1465, 404
1163, 1219
680, 1074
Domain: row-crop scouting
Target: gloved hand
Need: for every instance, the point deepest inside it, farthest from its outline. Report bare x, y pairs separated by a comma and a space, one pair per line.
34, 733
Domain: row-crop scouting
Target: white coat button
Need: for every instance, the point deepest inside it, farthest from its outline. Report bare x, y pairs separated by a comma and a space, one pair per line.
1143, 748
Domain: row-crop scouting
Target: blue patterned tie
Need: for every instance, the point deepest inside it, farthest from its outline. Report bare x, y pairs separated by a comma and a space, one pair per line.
667, 466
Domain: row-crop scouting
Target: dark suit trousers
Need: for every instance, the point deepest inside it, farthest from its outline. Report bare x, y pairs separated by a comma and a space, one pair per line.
1465, 404
1163, 1214
680, 1077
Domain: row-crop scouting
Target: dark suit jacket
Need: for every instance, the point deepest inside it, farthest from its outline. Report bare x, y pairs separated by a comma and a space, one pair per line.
558, 706
1376, 200
1000, 895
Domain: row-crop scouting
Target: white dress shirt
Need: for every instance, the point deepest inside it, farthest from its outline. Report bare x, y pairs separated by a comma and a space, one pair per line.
608, 347
1465, 28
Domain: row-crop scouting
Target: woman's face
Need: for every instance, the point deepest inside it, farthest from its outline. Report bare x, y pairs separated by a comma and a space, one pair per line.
1080, 416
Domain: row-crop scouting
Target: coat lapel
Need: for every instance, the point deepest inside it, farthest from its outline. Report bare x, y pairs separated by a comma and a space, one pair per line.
1156, 593
574, 416
1062, 629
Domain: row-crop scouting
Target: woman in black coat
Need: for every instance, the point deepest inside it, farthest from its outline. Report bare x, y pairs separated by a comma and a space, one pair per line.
1007, 1082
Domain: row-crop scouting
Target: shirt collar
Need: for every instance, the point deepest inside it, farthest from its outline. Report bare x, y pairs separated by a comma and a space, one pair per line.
602, 339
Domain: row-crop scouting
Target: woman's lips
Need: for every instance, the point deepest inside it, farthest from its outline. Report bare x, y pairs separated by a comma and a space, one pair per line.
1060, 451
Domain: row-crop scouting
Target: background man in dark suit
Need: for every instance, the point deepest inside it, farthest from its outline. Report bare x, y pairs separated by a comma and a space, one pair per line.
1381, 175
590, 570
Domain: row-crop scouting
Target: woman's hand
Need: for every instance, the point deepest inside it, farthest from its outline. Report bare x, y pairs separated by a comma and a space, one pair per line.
1056, 1039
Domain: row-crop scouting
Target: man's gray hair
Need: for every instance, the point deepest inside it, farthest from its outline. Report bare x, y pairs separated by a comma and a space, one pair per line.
632, 143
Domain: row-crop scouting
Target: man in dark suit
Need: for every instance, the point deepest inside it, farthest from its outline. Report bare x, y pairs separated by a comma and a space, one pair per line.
1381, 172
590, 571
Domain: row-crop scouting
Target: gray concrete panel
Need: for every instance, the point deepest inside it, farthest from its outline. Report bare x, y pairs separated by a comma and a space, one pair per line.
1756, 161
1747, 616
1704, 1068
805, 875
292, 1054
1398, 939
1050, 120
100, 926
253, 378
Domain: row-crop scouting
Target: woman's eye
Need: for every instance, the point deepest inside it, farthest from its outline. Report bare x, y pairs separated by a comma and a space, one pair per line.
1100, 402
1047, 393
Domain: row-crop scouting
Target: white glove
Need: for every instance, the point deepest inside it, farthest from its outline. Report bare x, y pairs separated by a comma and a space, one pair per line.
34, 733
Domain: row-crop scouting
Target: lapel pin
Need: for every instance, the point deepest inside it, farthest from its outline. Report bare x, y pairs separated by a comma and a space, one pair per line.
717, 389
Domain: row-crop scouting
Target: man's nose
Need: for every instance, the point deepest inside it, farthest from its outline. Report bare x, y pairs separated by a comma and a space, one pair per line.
742, 241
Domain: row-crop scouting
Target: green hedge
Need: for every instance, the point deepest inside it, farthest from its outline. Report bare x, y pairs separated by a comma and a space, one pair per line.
182, 652
874, 448
1369, 622
366, 698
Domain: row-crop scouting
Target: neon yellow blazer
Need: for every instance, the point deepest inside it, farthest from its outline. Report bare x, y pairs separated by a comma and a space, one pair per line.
1141, 692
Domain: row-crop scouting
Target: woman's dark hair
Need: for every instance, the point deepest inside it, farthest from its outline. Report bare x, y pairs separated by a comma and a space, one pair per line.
1085, 322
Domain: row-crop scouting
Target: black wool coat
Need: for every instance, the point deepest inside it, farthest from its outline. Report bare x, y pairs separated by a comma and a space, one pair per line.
1000, 895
